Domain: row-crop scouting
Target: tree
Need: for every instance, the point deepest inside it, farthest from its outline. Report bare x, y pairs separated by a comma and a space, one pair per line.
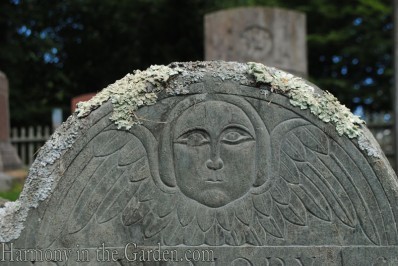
54, 50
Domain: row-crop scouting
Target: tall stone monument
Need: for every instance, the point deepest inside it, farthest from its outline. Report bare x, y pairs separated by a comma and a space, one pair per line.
271, 36
207, 163
8, 156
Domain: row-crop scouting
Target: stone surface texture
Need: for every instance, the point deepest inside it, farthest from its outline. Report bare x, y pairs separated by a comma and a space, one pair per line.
8, 155
271, 36
2, 202
222, 156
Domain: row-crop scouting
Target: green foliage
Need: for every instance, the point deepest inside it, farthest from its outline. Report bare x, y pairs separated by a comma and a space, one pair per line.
54, 50
13, 193
350, 50
350, 47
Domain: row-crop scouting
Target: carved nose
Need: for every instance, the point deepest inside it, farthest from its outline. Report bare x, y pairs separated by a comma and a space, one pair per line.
214, 164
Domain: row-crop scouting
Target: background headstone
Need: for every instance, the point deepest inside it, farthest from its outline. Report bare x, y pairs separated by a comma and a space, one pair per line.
56, 117
272, 36
80, 98
5, 182
248, 163
1, 164
8, 154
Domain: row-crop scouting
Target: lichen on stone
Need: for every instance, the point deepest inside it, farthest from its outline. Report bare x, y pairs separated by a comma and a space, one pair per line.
142, 88
41, 179
324, 105
130, 93
365, 145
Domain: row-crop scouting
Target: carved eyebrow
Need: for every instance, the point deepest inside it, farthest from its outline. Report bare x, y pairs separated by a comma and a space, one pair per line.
201, 130
241, 127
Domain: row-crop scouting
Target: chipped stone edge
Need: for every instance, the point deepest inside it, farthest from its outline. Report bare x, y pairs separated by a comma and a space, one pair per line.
41, 181
371, 149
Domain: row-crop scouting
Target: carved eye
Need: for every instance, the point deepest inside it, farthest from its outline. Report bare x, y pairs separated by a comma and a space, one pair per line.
193, 138
234, 136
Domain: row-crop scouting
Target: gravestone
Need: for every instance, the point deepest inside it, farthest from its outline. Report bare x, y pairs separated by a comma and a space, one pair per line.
206, 163
8, 155
271, 36
6, 182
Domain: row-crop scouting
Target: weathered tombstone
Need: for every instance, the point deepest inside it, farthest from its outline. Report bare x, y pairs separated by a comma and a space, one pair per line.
271, 36
240, 164
8, 155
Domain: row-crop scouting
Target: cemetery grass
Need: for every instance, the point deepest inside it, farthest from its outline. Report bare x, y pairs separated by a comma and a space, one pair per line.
19, 177
13, 193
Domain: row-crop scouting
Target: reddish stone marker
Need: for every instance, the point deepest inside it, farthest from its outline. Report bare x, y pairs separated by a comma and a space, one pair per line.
80, 98
8, 156
4, 121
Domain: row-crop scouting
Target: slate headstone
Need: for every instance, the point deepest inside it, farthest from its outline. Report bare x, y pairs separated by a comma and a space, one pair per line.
271, 36
207, 163
8, 155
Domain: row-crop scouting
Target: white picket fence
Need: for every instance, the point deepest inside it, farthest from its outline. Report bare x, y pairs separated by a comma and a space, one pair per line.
28, 141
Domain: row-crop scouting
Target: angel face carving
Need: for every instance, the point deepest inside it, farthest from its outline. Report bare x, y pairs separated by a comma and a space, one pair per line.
214, 148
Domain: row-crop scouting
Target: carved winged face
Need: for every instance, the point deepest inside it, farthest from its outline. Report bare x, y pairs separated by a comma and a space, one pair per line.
214, 155
221, 169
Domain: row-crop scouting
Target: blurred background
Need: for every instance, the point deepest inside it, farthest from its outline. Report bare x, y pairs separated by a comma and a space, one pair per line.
53, 51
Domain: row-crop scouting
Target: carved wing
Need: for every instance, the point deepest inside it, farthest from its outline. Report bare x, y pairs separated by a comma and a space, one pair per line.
319, 177
109, 178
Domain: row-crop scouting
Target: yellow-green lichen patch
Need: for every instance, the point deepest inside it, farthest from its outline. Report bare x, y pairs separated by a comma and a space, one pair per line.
324, 105
130, 93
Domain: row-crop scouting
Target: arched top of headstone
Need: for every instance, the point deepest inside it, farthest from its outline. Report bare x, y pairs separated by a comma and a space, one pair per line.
208, 153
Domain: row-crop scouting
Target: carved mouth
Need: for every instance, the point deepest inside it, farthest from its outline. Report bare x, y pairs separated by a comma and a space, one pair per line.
214, 181
214, 178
